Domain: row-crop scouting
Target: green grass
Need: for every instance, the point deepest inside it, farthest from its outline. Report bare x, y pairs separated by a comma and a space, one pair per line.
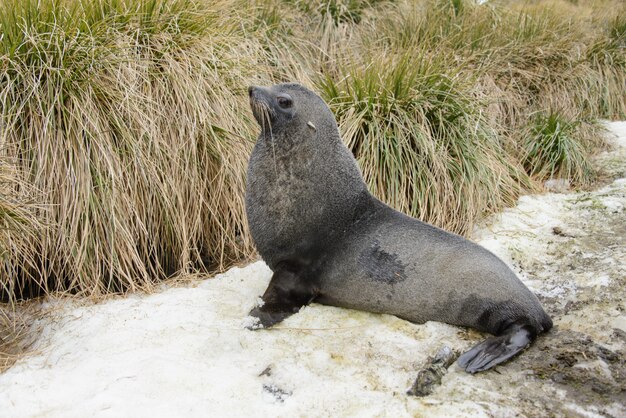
406, 119
126, 130
336, 11
551, 149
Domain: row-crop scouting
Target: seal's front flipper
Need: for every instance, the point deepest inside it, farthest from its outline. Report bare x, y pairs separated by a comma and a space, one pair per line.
265, 319
289, 290
495, 350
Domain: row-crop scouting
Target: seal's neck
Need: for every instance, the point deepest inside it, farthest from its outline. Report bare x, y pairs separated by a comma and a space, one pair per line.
307, 139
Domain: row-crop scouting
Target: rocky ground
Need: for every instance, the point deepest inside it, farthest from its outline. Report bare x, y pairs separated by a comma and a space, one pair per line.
571, 250
184, 352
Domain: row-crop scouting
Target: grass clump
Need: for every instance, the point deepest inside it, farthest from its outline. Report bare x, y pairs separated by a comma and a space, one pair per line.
525, 57
20, 231
336, 11
128, 115
552, 150
421, 141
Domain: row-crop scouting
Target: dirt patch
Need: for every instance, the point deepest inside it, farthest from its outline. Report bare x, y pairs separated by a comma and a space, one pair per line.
589, 372
586, 352
571, 250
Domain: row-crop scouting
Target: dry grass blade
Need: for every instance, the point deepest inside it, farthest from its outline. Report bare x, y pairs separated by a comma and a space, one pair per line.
15, 336
20, 232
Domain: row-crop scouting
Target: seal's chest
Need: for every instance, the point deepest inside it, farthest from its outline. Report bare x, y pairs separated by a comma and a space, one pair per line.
275, 194
286, 180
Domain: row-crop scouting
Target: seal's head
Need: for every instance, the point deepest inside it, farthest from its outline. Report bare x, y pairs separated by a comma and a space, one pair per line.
290, 110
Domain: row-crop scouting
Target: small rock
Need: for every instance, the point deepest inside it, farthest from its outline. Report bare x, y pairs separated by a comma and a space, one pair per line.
266, 372
606, 354
618, 333
430, 376
279, 394
557, 230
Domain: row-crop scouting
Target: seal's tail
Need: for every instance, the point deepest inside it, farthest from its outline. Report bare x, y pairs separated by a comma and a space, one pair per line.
495, 350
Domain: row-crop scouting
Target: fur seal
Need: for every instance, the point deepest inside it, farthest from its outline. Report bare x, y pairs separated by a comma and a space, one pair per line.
328, 240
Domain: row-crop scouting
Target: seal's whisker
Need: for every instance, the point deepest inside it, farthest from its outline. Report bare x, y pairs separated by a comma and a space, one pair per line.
265, 114
273, 152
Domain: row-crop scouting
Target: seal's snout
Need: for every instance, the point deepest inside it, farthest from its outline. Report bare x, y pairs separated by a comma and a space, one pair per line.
261, 108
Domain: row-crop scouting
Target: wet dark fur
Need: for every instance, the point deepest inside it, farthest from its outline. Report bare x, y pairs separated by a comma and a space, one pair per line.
328, 239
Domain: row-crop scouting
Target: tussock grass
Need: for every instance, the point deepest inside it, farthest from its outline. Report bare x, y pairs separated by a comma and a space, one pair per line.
20, 230
526, 58
15, 335
551, 149
125, 125
130, 116
421, 141
336, 11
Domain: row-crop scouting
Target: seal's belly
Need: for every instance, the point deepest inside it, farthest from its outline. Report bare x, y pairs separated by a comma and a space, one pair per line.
401, 293
417, 273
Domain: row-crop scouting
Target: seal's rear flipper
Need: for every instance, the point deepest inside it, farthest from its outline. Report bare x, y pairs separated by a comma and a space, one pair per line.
495, 350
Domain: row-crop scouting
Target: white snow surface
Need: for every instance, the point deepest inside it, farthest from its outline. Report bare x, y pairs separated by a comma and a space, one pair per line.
184, 351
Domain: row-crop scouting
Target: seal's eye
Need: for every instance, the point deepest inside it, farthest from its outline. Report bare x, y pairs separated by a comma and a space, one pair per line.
284, 101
